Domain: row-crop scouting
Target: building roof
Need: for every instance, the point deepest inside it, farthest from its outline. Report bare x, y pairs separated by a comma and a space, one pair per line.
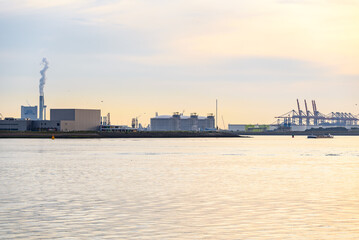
75, 109
163, 117
170, 116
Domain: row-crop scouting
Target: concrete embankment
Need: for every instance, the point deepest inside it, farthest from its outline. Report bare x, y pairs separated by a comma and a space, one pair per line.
118, 134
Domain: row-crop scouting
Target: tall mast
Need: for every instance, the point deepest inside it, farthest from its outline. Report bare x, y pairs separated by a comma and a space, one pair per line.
216, 114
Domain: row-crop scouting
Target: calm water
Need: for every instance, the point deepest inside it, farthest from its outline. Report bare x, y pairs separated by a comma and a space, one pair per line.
257, 188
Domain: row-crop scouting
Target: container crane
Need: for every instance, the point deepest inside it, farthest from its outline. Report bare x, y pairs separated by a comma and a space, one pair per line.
317, 118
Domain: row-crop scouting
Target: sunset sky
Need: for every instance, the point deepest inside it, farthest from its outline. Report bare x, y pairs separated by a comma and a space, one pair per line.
134, 58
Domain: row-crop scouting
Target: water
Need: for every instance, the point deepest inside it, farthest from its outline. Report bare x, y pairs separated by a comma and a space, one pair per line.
257, 188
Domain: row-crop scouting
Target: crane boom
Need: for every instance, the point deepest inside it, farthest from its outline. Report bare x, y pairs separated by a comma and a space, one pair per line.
313, 106
306, 111
300, 113
306, 107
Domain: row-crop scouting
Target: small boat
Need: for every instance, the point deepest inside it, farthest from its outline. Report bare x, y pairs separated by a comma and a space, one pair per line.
312, 136
320, 136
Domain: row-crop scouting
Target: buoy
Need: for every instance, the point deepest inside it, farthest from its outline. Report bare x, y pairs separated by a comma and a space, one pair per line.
53, 137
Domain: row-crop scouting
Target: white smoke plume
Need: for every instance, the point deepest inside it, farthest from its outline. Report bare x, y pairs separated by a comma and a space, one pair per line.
43, 76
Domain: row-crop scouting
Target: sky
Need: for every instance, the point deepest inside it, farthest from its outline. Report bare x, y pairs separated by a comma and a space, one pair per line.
134, 58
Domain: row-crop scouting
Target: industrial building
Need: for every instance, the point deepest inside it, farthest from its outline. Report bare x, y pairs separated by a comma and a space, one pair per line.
29, 112
251, 127
45, 125
116, 128
178, 122
61, 120
77, 119
12, 124
206, 123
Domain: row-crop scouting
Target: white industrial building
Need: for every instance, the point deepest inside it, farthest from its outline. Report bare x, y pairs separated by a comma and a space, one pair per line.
206, 123
77, 119
178, 122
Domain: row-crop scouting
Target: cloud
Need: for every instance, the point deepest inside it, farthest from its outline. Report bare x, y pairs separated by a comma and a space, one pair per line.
199, 30
320, 2
30, 5
185, 48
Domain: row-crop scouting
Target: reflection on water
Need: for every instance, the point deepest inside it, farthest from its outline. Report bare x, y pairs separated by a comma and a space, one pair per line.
256, 188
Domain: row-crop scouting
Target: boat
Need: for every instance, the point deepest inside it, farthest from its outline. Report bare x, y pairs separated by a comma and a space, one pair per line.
320, 136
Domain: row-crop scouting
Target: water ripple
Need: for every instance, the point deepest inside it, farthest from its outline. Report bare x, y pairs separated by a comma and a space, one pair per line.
179, 189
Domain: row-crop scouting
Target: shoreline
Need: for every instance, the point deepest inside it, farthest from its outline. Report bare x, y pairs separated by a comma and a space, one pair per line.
182, 134
118, 134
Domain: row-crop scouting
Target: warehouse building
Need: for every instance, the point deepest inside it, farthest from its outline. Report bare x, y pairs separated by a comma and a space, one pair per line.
77, 119
178, 122
12, 124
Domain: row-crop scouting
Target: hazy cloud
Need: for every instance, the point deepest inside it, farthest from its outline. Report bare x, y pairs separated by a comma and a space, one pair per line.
181, 50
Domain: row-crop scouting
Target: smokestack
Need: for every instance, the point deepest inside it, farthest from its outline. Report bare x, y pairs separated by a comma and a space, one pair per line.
41, 108
41, 88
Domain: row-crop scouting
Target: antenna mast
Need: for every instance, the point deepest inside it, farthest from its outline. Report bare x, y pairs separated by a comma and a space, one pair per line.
216, 114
